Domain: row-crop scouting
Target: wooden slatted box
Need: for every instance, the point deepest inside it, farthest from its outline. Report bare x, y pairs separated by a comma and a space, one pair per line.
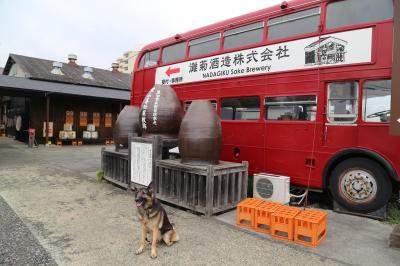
205, 189
115, 166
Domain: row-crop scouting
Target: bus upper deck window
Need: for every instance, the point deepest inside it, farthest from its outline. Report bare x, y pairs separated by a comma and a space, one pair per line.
343, 102
149, 59
174, 52
302, 22
245, 35
204, 45
351, 12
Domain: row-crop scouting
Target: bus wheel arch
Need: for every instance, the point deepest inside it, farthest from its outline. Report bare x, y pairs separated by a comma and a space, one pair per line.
359, 179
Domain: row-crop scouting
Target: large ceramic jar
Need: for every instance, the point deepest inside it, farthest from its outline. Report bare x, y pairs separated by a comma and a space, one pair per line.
200, 137
161, 113
127, 122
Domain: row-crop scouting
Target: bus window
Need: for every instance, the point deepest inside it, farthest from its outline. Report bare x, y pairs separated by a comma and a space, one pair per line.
301, 108
149, 59
342, 102
244, 35
351, 12
213, 103
174, 52
301, 22
204, 45
376, 101
241, 108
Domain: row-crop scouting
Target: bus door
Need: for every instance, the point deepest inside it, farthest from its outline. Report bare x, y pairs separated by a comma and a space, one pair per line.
340, 128
290, 125
243, 131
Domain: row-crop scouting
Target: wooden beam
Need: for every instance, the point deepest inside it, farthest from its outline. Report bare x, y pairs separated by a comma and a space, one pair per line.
395, 104
47, 117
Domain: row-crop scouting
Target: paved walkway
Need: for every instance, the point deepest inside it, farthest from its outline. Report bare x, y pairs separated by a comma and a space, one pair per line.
18, 246
79, 221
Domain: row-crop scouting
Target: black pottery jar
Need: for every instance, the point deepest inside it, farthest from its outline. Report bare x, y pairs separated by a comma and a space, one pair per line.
161, 113
200, 136
127, 122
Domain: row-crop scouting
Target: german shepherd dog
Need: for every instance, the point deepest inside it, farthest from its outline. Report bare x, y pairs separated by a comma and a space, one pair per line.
154, 220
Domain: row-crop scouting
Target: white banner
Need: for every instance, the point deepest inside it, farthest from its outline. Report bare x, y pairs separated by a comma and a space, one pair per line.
341, 48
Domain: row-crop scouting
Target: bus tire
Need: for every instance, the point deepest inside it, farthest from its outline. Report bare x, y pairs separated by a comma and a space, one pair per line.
360, 185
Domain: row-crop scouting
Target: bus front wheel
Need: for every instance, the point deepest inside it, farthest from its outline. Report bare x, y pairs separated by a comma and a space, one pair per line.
360, 185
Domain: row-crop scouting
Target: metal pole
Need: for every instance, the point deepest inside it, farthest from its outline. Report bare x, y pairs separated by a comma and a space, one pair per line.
47, 117
395, 105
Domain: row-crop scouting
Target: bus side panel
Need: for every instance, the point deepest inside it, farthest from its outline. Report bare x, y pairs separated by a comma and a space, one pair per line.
380, 142
246, 138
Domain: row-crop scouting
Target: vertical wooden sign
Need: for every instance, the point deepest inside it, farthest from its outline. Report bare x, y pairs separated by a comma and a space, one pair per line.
96, 119
69, 117
108, 120
83, 119
395, 104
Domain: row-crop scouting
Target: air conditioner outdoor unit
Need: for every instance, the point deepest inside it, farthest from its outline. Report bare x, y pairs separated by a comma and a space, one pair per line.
272, 187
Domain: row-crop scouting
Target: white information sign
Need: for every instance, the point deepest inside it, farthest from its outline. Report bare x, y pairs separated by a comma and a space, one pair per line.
141, 163
350, 47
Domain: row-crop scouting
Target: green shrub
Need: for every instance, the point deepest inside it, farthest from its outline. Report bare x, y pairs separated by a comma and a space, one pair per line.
99, 175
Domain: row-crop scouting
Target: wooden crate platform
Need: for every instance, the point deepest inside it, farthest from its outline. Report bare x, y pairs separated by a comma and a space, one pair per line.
115, 166
206, 189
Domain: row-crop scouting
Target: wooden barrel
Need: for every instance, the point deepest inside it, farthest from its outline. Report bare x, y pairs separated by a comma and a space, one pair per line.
127, 122
161, 113
200, 136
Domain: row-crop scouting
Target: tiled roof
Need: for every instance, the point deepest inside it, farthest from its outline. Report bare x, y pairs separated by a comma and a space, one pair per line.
40, 69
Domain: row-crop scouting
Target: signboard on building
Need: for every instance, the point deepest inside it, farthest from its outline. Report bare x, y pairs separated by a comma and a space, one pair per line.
69, 117
82, 119
96, 119
141, 163
350, 47
108, 120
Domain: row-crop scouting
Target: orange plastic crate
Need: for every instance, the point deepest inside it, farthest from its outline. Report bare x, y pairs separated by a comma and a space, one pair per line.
282, 222
80, 142
310, 227
263, 216
245, 212
58, 143
74, 143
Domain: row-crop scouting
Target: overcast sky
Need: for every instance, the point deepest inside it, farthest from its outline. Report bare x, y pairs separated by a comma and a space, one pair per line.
99, 31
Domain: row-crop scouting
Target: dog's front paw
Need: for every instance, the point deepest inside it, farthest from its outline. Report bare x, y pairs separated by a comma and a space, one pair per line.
139, 251
153, 254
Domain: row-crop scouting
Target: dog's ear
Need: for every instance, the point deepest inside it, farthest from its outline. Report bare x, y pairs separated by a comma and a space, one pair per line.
150, 188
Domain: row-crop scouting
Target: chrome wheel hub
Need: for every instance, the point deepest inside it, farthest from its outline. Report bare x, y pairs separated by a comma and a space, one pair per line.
358, 185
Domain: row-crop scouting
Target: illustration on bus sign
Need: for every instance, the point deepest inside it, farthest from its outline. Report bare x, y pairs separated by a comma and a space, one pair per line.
326, 51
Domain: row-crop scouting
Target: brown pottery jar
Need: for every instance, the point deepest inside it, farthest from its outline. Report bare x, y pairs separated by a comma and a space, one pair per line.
161, 113
127, 122
200, 137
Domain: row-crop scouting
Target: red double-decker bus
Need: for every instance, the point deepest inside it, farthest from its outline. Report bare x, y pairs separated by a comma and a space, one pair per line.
303, 89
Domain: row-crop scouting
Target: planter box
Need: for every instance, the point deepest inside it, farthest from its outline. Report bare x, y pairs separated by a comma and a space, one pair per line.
206, 189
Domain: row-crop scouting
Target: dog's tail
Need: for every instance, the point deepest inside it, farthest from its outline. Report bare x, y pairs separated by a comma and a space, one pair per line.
174, 236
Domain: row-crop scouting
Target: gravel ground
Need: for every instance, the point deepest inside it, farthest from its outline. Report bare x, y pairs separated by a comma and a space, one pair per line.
79, 221
18, 246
